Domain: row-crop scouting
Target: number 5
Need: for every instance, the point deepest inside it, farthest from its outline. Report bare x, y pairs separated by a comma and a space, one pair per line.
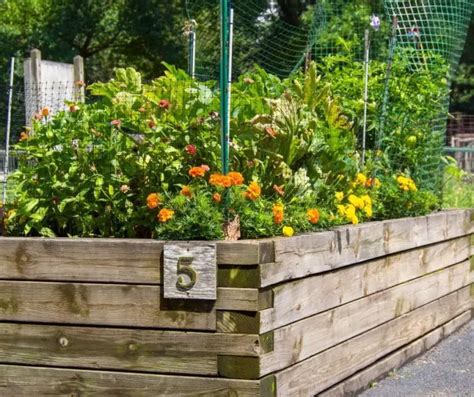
184, 268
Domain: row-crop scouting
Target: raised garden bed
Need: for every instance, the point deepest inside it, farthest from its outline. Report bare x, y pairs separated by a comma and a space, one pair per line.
321, 313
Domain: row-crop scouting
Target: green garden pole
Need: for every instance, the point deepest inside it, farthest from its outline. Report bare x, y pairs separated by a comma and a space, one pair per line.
224, 85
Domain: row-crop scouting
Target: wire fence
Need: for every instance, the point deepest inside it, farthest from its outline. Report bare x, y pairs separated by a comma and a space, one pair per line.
422, 34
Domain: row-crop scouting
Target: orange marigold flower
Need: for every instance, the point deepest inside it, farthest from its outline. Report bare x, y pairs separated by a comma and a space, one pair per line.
186, 191
217, 197
165, 215
153, 200
196, 171
253, 191
45, 112
220, 180
24, 136
313, 216
278, 213
236, 178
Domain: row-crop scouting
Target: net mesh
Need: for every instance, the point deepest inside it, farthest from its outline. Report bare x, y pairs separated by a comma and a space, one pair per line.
425, 35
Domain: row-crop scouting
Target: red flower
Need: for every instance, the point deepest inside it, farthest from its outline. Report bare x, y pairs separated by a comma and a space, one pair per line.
191, 149
164, 104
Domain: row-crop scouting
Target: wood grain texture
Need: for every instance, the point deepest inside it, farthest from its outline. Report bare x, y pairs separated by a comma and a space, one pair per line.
325, 369
356, 383
106, 260
190, 270
20, 381
245, 252
100, 260
243, 299
302, 298
100, 304
314, 253
305, 338
192, 353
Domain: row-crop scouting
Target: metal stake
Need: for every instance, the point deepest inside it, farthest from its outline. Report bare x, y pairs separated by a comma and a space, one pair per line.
224, 84
7, 134
366, 92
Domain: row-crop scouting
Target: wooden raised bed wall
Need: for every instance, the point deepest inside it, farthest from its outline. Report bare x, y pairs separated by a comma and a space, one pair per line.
317, 314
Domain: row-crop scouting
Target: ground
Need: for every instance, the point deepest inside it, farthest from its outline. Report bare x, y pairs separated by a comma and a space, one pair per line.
447, 370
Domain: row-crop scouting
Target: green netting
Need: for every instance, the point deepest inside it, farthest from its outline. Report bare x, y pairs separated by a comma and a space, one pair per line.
432, 26
427, 35
429, 32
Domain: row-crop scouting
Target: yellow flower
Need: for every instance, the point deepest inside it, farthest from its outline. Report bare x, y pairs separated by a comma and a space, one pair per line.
341, 210
406, 184
288, 231
361, 179
377, 183
349, 211
356, 201
368, 211
354, 220
367, 200
339, 196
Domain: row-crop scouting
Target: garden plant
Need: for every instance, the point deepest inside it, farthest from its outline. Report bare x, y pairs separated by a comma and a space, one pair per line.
143, 160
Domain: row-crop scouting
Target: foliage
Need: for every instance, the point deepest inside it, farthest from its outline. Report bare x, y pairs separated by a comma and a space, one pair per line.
144, 159
458, 186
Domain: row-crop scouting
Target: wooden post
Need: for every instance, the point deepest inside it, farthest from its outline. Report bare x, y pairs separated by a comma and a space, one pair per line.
79, 91
33, 79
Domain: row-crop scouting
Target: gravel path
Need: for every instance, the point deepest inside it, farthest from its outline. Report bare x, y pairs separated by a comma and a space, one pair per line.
447, 370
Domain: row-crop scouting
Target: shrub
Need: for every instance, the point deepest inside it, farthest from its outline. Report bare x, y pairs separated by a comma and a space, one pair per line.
143, 160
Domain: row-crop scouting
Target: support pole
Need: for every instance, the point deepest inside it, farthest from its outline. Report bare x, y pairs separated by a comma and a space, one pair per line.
79, 79
192, 53
366, 92
224, 84
388, 74
7, 133
229, 81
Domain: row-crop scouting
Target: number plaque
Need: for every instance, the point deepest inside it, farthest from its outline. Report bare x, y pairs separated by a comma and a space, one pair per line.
190, 270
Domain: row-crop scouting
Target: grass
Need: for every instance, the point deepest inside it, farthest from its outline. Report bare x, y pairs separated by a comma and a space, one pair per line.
459, 192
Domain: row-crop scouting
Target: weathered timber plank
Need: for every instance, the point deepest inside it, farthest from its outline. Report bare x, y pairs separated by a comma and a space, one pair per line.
243, 299
245, 252
110, 260
190, 353
361, 380
314, 253
298, 341
101, 304
238, 276
333, 365
24, 381
238, 322
302, 298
